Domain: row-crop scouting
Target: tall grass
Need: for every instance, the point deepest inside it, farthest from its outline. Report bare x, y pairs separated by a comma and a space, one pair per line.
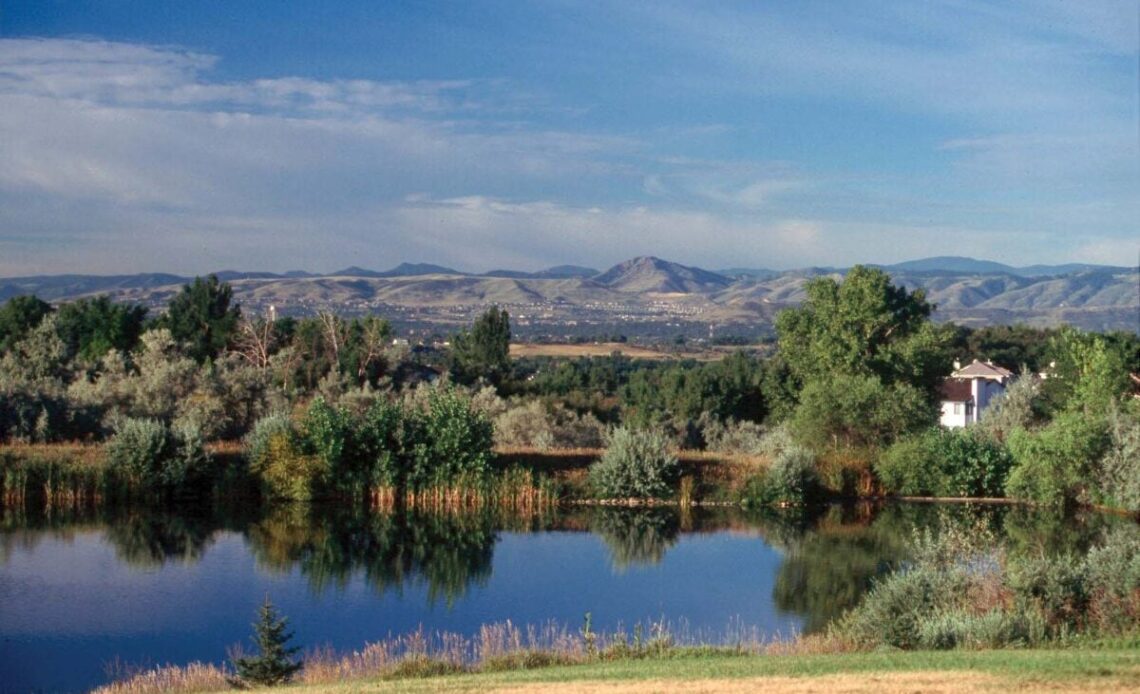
55, 476
495, 647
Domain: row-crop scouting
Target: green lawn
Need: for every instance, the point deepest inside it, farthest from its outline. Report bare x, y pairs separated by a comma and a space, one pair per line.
1097, 669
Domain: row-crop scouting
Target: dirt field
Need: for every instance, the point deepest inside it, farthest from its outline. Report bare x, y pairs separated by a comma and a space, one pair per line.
886, 683
600, 349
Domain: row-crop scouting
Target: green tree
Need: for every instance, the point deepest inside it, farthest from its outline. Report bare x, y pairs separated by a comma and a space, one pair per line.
18, 317
867, 358
201, 318
274, 665
864, 326
484, 351
91, 327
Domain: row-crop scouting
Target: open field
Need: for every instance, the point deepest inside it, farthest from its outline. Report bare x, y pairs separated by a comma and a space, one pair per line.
597, 349
1077, 670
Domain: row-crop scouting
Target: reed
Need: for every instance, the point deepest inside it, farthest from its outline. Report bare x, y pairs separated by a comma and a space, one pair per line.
57, 477
495, 647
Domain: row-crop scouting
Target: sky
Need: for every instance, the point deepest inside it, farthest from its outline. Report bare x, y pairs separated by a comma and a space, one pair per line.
196, 136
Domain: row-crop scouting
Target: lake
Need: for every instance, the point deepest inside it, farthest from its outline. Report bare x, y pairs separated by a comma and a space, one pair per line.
81, 592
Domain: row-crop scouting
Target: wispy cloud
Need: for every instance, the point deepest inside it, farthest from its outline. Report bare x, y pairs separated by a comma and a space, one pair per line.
777, 134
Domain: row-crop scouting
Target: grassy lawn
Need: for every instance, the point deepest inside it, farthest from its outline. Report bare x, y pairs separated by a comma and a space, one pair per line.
1116, 669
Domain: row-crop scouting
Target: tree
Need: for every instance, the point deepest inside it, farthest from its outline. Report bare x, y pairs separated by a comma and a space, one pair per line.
484, 351
91, 327
201, 319
19, 317
864, 326
867, 358
275, 664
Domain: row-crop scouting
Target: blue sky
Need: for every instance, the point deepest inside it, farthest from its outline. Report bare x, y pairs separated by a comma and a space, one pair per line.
198, 136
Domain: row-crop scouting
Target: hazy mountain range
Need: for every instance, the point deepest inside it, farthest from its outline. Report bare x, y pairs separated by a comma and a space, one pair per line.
642, 289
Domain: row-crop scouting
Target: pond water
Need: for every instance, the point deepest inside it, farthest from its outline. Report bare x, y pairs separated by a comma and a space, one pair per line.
81, 593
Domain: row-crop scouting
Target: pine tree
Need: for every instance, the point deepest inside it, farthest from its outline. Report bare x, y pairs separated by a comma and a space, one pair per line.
274, 665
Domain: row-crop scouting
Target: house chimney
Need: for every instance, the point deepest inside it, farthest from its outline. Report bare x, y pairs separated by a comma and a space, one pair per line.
957, 365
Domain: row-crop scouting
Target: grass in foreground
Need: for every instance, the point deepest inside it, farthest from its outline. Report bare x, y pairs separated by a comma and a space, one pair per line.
1078, 669
1112, 668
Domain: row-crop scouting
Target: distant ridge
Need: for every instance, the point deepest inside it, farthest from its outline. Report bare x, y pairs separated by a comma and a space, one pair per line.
952, 263
401, 270
971, 266
649, 274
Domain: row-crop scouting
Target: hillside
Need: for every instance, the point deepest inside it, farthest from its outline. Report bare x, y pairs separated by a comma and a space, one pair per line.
644, 295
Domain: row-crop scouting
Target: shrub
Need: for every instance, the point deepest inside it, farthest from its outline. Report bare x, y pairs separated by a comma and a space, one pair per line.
636, 464
1114, 582
734, 437
940, 462
1118, 478
1051, 466
148, 454
792, 478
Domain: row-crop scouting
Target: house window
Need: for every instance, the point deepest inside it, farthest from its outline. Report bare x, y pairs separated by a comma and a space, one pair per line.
957, 408
969, 409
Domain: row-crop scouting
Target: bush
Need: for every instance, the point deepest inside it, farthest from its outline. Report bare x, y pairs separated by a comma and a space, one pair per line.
636, 464
734, 437
1114, 582
149, 455
941, 462
1052, 465
1118, 478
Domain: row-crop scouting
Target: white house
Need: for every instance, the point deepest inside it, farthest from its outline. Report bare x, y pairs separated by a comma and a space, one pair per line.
970, 390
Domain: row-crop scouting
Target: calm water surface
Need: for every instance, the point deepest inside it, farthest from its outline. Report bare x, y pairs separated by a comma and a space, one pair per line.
78, 594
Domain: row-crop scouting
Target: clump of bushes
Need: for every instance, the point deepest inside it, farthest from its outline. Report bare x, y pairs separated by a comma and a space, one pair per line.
964, 590
949, 463
535, 425
438, 441
1052, 465
791, 479
637, 464
150, 455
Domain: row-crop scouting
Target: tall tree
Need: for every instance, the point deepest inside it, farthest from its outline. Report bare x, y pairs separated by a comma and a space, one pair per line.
867, 358
18, 317
90, 327
201, 318
484, 351
864, 326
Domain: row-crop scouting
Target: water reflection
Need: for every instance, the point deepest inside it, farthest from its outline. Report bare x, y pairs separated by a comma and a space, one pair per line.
449, 552
636, 536
830, 556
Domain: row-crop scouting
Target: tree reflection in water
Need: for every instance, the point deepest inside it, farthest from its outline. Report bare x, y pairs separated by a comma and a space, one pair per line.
150, 538
636, 536
448, 552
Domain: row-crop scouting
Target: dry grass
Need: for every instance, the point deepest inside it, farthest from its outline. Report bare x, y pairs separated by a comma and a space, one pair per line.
85, 453
602, 349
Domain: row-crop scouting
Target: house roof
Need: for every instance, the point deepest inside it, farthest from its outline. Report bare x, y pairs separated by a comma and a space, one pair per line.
956, 390
981, 369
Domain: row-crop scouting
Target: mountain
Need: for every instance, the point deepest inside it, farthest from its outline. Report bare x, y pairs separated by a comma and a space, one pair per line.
951, 263
559, 272
57, 287
748, 272
646, 295
649, 274
960, 265
401, 270
416, 269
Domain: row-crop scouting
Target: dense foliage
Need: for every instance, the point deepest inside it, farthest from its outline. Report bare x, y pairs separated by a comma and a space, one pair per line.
637, 464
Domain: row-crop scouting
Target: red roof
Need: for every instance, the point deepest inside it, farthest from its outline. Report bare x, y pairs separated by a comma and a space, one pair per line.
956, 390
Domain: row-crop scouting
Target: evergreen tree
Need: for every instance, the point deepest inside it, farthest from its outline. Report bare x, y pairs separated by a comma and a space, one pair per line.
201, 318
484, 351
274, 665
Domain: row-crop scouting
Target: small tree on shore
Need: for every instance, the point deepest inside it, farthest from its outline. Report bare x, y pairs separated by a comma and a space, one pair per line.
274, 665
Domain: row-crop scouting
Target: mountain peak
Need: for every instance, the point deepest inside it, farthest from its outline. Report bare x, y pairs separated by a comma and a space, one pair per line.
651, 274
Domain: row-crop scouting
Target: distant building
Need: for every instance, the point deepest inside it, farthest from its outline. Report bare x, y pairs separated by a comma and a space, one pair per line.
970, 390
